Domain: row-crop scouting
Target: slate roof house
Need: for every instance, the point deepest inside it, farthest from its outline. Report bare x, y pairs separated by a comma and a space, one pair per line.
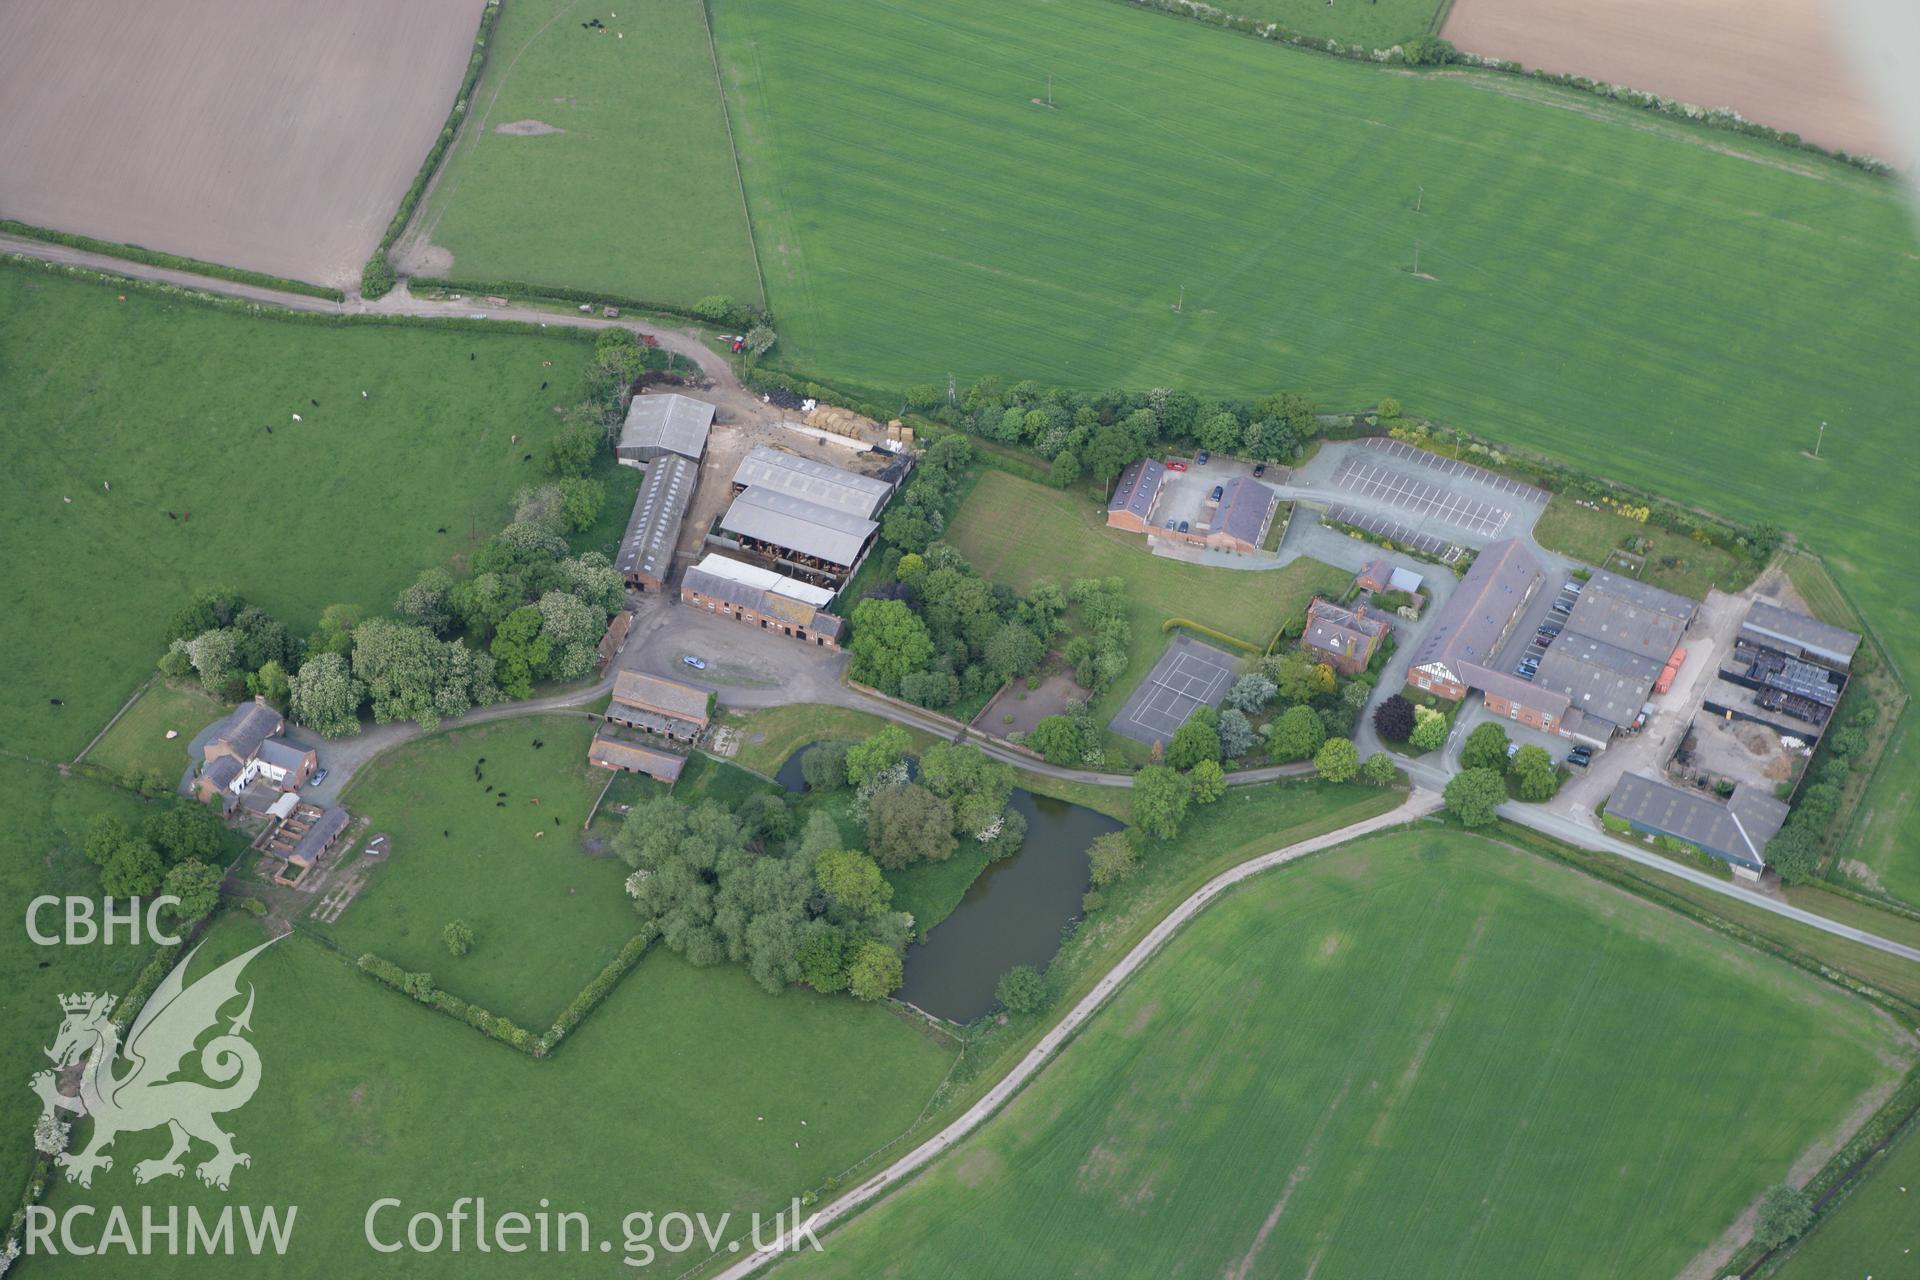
1343, 638
655, 704
245, 756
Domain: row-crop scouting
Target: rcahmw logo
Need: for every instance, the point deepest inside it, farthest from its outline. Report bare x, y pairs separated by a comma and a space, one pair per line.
128, 1088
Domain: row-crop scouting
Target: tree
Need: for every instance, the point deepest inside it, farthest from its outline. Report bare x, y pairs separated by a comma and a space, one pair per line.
1429, 730
572, 629
458, 935
716, 307
1336, 760
878, 752
1193, 742
216, 656
824, 766
1485, 748
411, 675
207, 610
1209, 781
520, 653
1021, 989
1379, 770
427, 603
874, 971
1297, 734
1221, 433
1474, 794
185, 831
197, 885
1533, 769
1013, 651
1160, 797
823, 957
105, 835
1236, 735
271, 682
1057, 739
888, 642
1847, 742
1251, 693
325, 696
1427, 51
1393, 718
1111, 449
853, 880
1794, 852
573, 448
907, 823
135, 871
1112, 857
1065, 470
1785, 1212
1293, 675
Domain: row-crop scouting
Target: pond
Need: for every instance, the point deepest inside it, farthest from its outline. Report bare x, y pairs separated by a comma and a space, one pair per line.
1012, 914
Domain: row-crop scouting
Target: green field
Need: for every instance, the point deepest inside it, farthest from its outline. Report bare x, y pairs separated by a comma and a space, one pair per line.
1419, 1055
546, 915
137, 745
638, 196
1672, 307
1015, 531
171, 403
684, 1091
40, 853
1874, 1231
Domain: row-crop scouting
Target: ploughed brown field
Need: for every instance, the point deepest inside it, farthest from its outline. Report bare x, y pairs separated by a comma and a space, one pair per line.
274, 135
1779, 62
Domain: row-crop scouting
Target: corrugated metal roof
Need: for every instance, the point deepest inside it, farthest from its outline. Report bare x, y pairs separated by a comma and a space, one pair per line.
1738, 830
666, 421
1631, 615
719, 568
840, 490
659, 507
1836, 644
1596, 677
628, 755
799, 525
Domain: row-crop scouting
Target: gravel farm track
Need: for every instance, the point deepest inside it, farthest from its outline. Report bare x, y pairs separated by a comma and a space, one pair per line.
273, 135
1779, 62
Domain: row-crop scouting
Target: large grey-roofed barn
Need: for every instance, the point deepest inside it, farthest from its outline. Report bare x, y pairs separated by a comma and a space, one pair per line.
1737, 830
1599, 679
646, 550
1794, 633
663, 424
839, 490
799, 525
1139, 483
1244, 509
1631, 615
1469, 626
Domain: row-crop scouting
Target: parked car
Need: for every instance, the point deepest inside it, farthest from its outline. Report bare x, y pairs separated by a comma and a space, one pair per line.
1201, 457
319, 776
1580, 757
1572, 588
1172, 523
1513, 749
698, 664
1183, 526
1174, 464
1259, 470
1217, 491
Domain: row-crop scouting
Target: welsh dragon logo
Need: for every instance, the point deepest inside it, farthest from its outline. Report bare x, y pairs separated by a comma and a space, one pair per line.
162, 1037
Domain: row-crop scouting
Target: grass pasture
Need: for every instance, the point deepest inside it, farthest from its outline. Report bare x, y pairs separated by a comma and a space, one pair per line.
1015, 531
172, 404
137, 744
594, 161
1417, 1055
1593, 536
546, 915
1874, 1231
685, 1090
1672, 307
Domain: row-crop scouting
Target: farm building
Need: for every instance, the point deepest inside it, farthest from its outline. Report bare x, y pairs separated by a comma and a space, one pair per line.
1736, 831
246, 757
817, 483
611, 750
646, 549
1631, 615
1458, 648
300, 835
820, 544
654, 704
751, 594
663, 425
1606, 685
1131, 506
1797, 636
615, 637
1240, 521
1613, 651
1343, 638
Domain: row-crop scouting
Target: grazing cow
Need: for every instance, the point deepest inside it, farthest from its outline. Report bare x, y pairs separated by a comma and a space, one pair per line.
441, 529
56, 702
314, 403
526, 457
297, 418
172, 516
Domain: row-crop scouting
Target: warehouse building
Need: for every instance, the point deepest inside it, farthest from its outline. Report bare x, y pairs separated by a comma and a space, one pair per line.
1134, 498
663, 425
646, 549
1457, 652
1797, 636
1787, 671
753, 595
1736, 831
834, 488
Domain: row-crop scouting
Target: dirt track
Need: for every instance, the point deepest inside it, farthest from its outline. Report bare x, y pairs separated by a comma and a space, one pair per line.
1775, 61
275, 135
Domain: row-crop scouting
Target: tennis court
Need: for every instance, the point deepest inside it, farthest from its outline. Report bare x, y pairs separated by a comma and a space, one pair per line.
1189, 674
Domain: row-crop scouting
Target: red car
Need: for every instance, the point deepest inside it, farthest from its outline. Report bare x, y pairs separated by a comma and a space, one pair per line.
1174, 464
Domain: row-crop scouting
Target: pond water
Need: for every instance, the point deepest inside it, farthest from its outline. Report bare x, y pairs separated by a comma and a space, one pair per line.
1012, 914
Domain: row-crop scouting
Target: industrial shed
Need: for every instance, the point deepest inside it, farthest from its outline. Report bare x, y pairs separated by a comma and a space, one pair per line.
646, 549
834, 488
664, 424
1798, 636
817, 540
1736, 831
